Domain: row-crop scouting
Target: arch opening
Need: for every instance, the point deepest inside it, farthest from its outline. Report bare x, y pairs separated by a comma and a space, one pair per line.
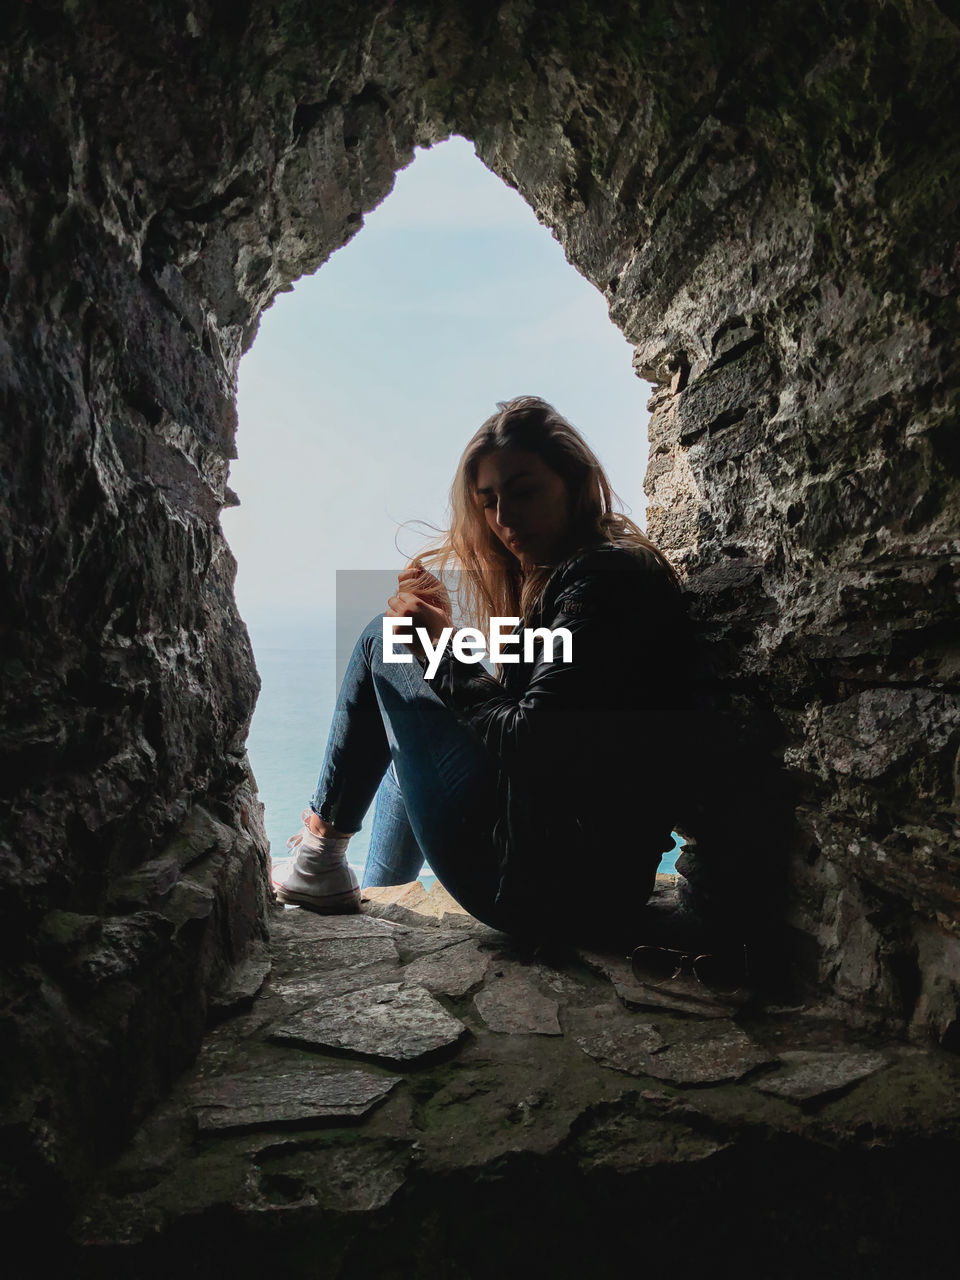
354, 403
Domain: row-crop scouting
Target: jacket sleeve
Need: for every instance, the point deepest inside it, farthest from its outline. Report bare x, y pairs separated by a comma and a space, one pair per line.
568, 710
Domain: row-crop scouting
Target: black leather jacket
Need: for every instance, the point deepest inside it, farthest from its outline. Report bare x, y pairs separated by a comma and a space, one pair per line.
583, 748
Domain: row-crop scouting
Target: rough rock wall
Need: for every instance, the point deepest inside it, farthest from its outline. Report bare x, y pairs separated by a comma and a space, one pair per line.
766, 195
166, 169
767, 198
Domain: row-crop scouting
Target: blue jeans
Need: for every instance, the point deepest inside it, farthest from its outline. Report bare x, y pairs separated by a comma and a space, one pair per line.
393, 740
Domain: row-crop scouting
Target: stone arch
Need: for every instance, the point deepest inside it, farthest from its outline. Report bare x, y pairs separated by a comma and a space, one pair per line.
773, 228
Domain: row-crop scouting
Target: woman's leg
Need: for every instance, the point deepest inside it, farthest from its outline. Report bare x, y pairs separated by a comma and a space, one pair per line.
388, 711
394, 856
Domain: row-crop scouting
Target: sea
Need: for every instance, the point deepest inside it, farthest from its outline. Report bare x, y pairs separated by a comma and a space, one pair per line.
286, 743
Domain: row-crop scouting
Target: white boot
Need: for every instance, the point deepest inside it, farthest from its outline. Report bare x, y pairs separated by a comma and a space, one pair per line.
321, 878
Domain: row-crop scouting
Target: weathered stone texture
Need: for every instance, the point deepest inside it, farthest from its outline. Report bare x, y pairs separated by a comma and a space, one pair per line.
390, 1023
787, 1144
514, 1004
766, 195
301, 1097
813, 1075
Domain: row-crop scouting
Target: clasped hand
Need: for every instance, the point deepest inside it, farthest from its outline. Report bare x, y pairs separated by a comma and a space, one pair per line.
423, 599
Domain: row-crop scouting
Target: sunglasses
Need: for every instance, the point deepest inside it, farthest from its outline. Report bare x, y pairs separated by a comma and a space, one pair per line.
654, 966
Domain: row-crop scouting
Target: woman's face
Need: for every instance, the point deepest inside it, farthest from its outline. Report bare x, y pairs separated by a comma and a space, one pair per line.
526, 504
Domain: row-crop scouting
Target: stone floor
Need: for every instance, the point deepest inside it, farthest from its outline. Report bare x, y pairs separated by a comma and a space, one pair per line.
410, 1093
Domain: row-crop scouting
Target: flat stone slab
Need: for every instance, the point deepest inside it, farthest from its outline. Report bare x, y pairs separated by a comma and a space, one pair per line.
347, 926
302, 989
679, 1052
423, 941
452, 971
622, 1046
707, 1054
292, 1098
312, 943
299, 925
350, 953
389, 1022
810, 1074
515, 1004
682, 995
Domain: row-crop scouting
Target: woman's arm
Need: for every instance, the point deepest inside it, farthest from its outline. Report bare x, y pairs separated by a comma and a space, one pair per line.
567, 709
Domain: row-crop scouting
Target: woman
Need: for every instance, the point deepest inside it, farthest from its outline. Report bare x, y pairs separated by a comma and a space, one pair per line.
541, 796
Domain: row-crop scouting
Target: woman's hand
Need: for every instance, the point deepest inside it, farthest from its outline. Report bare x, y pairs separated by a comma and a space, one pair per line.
423, 599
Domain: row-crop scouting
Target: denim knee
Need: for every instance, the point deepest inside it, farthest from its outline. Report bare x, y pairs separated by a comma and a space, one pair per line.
371, 642
371, 634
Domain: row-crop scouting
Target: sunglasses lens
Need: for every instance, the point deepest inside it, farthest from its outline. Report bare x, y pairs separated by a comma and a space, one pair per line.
656, 964
721, 973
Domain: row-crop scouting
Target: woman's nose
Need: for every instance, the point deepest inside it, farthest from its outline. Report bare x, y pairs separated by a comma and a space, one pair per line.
504, 514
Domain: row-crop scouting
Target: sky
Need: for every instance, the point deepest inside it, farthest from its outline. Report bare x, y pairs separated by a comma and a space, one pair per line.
364, 384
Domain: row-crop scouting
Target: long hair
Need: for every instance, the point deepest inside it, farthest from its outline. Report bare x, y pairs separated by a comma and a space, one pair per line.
491, 582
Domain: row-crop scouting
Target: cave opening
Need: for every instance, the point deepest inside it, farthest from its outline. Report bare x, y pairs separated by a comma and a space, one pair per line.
354, 402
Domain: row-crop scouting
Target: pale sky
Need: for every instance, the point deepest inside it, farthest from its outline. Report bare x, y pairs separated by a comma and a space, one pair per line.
364, 384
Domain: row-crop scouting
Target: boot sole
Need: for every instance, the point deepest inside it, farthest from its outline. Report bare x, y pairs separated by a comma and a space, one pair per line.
334, 904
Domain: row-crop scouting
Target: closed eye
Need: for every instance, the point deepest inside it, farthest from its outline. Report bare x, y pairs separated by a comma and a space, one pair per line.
515, 493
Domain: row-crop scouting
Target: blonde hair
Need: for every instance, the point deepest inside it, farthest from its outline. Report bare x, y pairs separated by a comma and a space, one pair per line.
491, 582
